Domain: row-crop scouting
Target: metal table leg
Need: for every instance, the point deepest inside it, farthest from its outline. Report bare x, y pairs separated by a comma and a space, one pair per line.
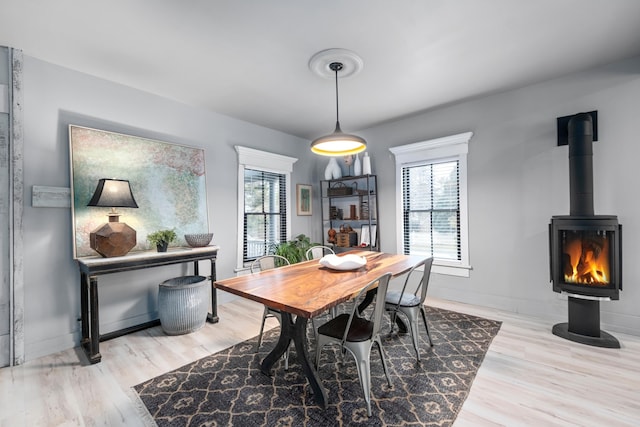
298, 333
84, 311
213, 316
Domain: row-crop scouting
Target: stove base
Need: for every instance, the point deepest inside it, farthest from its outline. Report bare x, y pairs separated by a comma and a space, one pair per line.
605, 339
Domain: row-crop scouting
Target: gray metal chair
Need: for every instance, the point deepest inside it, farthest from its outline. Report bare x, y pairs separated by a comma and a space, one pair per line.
263, 263
356, 333
318, 251
411, 303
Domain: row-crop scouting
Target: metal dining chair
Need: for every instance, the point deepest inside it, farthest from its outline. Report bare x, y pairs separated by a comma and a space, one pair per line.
411, 303
318, 251
356, 333
263, 263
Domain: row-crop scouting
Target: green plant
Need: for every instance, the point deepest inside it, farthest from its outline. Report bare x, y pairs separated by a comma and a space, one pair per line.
294, 250
160, 237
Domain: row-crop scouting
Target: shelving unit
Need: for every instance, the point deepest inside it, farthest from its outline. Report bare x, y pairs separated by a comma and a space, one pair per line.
351, 201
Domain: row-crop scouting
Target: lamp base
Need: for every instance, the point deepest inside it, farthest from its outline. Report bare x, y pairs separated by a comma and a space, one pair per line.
112, 239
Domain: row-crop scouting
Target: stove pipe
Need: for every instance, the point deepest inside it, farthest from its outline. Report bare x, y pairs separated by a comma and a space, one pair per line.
581, 165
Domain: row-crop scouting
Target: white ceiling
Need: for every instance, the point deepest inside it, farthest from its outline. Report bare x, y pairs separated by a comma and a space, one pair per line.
249, 58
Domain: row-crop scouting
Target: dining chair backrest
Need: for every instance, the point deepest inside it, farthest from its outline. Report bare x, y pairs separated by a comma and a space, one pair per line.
421, 289
268, 262
318, 251
424, 282
375, 316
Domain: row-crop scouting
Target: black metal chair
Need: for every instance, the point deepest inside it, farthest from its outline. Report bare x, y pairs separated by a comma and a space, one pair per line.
356, 333
263, 263
411, 303
316, 252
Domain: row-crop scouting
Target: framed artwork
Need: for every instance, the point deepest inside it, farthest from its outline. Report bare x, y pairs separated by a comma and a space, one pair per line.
167, 181
303, 199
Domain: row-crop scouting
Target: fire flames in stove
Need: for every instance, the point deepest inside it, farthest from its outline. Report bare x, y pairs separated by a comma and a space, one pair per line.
586, 257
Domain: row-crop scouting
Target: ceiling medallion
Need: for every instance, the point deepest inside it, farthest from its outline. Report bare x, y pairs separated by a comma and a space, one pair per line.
320, 63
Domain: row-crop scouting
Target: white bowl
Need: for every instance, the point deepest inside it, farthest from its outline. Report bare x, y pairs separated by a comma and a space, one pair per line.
345, 262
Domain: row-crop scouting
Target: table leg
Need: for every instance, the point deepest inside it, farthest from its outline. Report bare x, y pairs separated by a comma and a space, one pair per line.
213, 316
368, 299
84, 311
90, 341
402, 327
94, 353
298, 333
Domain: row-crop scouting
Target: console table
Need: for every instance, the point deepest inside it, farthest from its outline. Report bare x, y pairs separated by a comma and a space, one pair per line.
94, 266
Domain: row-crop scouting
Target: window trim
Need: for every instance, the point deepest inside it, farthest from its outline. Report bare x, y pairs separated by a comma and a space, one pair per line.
446, 148
249, 158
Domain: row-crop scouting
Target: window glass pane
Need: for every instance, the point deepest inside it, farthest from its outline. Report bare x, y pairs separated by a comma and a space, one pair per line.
420, 188
254, 235
418, 237
265, 212
446, 237
432, 210
445, 185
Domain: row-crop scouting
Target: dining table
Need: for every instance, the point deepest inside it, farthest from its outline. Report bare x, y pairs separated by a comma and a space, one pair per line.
308, 289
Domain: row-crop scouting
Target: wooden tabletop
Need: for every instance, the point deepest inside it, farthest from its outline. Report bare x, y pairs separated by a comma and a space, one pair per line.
308, 289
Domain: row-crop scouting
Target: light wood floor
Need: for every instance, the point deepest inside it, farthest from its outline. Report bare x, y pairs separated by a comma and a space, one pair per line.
528, 378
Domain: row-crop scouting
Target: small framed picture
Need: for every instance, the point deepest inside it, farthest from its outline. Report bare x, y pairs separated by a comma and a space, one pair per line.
304, 199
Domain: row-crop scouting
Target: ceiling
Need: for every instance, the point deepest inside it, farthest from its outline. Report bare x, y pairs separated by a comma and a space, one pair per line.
249, 59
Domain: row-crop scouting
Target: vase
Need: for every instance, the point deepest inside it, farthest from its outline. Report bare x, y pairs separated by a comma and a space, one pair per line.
162, 247
357, 167
366, 164
336, 171
328, 172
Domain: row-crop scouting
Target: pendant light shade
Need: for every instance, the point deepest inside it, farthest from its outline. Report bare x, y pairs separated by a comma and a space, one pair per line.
338, 143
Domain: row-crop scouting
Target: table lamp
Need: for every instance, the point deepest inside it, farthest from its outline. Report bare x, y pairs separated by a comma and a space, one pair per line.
113, 238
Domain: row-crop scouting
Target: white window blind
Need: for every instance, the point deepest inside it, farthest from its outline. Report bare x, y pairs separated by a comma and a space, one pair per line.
431, 210
265, 208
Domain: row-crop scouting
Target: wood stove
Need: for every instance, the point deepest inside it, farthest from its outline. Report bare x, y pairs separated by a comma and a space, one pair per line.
585, 249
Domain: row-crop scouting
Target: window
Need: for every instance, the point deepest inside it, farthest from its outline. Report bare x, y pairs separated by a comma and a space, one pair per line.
264, 197
431, 210
265, 212
432, 201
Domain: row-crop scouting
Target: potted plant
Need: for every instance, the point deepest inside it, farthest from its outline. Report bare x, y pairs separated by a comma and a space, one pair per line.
162, 238
294, 250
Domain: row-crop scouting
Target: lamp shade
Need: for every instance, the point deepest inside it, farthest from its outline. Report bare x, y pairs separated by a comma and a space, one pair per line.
114, 238
338, 144
113, 193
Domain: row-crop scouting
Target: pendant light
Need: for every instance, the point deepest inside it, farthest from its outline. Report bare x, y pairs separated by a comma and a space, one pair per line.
338, 143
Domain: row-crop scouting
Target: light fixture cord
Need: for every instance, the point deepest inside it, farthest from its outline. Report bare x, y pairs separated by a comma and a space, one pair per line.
337, 66
337, 111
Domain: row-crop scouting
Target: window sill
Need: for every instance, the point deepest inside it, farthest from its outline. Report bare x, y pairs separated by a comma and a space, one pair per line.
450, 270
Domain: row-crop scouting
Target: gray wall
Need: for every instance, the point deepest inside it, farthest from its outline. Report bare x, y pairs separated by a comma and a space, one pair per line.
518, 178
55, 97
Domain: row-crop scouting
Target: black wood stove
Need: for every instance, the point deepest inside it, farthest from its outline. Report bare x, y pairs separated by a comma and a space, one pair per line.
585, 249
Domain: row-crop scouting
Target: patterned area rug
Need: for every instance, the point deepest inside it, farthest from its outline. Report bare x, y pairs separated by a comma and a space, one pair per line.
228, 389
